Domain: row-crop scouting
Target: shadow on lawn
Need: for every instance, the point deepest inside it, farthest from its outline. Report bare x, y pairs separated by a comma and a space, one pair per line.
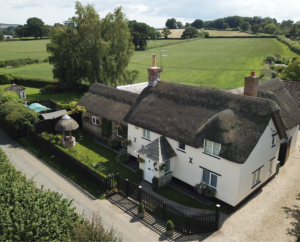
294, 212
63, 97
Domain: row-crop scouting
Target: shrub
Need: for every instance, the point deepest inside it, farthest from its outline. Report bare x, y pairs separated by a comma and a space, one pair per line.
48, 89
5, 78
154, 179
7, 96
123, 158
114, 143
267, 73
294, 46
170, 226
139, 172
269, 59
141, 208
292, 72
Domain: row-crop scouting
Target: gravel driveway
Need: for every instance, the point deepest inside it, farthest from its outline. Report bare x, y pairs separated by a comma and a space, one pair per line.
273, 214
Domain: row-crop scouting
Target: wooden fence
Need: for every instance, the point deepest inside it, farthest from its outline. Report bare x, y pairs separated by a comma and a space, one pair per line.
188, 224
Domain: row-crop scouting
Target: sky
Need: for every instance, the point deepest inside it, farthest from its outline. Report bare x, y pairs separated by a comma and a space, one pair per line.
154, 13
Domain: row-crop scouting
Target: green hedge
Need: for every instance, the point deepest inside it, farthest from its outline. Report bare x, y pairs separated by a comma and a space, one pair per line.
294, 46
22, 62
252, 37
26, 38
5, 78
34, 82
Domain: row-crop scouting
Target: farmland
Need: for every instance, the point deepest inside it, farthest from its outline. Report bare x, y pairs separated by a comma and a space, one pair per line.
219, 62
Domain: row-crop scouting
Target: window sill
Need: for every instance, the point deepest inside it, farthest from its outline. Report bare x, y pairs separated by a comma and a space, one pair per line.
255, 184
183, 151
217, 157
146, 138
120, 136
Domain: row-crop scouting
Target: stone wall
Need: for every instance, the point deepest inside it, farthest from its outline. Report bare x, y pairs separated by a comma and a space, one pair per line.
89, 126
164, 180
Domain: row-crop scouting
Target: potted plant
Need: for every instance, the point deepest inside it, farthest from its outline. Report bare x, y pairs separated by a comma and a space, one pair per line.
139, 174
154, 182
139, 159
162, 167
169, 228
141, 210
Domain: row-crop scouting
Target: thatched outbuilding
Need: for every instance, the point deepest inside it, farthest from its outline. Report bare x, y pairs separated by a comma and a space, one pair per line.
17, 89
66, 123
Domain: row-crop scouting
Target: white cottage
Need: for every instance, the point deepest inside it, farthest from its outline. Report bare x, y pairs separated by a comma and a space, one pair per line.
231, 142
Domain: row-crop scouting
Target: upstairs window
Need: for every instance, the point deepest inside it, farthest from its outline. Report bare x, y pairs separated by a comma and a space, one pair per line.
95, 120
146, 134
256, 177
181, 146
212, 148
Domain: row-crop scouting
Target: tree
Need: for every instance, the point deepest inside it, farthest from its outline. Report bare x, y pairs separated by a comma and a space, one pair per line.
190, 32
171, 23
46, 31
270, 29
198, 24
179, 25
90, 50
225, 26
165, 32
35, 27
158, 34
255, 28
20, 31
1, 36
141, 33
294, 30
245, 26
292, 72
187, 25
219, 23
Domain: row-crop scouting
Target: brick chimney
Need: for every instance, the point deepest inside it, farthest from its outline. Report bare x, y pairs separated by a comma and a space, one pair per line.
153, 73
251, 85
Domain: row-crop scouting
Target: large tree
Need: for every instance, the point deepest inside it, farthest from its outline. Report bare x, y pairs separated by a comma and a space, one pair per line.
245, 26
171, 23
1, 36
165, 32
89, 50
255, 28
198, 24
190, 32
35, 27
141, 33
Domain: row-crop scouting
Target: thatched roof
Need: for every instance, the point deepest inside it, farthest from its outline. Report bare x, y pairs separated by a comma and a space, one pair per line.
274, 89
108, 102
158, 150
294, 90
66, 123
191, 114
14, 88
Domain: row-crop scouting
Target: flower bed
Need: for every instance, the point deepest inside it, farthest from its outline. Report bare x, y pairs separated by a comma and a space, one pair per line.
204, 189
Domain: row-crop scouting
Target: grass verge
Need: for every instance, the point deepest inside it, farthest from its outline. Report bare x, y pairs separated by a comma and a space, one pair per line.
179, 197
76, 177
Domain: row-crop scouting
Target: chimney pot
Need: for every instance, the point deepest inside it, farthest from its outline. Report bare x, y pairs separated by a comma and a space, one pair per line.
153, 73
251, 85
252, 73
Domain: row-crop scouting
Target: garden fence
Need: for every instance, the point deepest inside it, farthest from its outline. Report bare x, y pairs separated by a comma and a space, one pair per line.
189, 224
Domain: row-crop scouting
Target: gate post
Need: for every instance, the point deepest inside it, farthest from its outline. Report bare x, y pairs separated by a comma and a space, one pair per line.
140, 194
106, 184
217, 217
127, 188
188, 227
118, 181
164, 211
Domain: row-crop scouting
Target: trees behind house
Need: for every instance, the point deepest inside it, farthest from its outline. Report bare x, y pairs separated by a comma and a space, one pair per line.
1, 36
141, 33
179, 25
165, 32
88, 49
255, 28
245, 26
171, 23
270, 29
292, 72
35, 27
198, 24
190, 32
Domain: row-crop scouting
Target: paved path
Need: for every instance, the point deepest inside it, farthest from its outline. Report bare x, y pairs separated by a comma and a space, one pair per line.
273, 214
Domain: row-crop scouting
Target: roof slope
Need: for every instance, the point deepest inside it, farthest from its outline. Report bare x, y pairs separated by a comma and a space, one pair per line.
294, 90
191, 114
108, 102
14, 88
158, 150
274, 89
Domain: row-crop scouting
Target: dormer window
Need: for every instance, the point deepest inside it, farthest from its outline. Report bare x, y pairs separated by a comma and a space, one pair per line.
212, 148
181, 146
146, 134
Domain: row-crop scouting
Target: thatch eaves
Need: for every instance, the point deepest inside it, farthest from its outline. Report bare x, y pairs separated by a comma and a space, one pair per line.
294, 90
191, 114
108, 102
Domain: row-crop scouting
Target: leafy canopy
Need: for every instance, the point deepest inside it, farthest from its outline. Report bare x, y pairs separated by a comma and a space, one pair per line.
190, 32
292, 72
166, 32
88, 49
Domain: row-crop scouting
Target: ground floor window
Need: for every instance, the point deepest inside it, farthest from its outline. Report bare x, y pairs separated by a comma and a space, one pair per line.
210, 178
256, 177
271, 166
168, 166
95, 120
119, 132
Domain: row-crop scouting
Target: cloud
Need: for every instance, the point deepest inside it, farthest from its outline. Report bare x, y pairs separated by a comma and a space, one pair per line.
139, 8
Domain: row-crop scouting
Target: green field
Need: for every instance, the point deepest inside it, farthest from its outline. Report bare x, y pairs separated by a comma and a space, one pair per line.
220, 62
11, 50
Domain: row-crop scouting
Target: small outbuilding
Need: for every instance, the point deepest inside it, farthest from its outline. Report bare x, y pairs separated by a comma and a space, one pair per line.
18, 89
66, 123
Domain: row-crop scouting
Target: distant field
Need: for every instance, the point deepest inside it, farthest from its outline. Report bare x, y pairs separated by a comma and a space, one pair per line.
219, 62
176, 33
154, 43
11, 50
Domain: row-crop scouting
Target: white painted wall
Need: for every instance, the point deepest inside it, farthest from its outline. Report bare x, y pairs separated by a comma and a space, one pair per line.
294, 134
260, 155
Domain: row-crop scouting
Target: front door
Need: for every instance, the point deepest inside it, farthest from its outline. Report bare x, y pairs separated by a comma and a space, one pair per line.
148, 170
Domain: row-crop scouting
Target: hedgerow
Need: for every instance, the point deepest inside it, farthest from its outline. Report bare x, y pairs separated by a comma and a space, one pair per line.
293, 45
22, 62
34, 82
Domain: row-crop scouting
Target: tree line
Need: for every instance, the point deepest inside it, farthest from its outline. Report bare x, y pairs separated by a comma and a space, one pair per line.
256, 24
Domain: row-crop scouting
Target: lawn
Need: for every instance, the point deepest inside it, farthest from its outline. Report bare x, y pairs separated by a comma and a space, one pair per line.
179, 197
11, 50
218, 62
81, 180
62, 97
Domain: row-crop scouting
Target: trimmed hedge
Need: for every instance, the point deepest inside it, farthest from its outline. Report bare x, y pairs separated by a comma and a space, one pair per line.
34, 82
5, 78
294, 46
22, 62
26, 38
252, 37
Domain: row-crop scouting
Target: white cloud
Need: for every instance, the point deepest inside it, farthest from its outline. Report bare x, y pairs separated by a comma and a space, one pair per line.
139, 8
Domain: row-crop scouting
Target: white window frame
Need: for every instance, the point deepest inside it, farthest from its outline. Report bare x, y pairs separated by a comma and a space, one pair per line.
94, 120
209, 182
146, 134
179, 146
166, 171
256, 177
119, 135
271, 167
212, 148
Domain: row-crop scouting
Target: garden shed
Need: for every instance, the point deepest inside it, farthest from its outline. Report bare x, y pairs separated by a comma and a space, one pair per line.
18, 89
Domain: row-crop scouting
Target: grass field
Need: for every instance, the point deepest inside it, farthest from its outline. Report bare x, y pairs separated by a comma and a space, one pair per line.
176, 33
219, 62
11, 50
